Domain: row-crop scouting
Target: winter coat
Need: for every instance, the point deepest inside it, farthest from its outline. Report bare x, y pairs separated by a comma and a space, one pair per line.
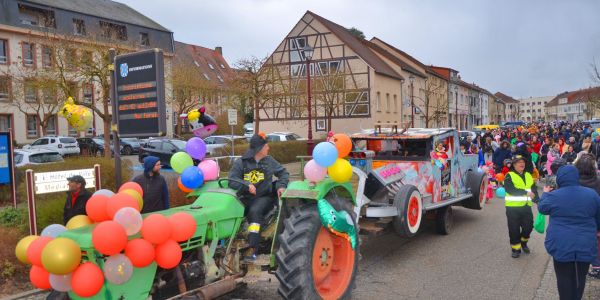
574, 212
156, 191
569, 156
595, 149
593, 182
552, 155
78, 208
500, 155
260, 174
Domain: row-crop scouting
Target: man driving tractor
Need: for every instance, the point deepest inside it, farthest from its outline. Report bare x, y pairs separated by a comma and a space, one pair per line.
259, 192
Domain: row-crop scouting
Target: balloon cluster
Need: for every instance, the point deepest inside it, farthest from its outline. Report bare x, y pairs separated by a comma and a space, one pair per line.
56, 261
77, 116
328, 158
201, 123
193, 177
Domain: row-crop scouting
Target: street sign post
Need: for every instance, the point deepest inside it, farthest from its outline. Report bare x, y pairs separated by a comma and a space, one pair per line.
7, 167
232, 118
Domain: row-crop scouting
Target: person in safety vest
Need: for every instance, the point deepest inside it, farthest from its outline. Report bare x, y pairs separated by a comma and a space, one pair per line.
520, 193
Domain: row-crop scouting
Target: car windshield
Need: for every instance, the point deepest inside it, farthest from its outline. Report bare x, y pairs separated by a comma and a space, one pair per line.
18, 158
179, 144
131, 140
99, 141
45, 157
67, 140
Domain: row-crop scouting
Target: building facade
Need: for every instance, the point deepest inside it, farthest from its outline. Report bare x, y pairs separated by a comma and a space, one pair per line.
511, 107
573, 106
534, 108
496, 106
39, 38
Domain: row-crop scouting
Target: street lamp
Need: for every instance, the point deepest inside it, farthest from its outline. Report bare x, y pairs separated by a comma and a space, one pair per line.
308, 53
456, 105
411, 78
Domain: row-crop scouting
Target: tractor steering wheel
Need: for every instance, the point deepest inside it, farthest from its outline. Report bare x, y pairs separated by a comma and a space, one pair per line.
230, 179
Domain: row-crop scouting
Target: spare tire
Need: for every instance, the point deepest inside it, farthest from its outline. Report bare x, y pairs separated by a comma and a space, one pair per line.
477, 182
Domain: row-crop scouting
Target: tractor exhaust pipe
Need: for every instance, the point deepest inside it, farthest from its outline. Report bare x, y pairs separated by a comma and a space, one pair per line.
218, 288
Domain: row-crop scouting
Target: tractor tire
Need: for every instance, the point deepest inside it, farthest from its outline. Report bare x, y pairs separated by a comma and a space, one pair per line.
409, 204
444, 220
477, 182
314, 263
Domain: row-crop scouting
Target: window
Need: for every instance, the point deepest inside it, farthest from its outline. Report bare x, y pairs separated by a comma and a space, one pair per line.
51, 126
387, 103
3, 51
73, 90
49, 95
113, 31
28, 54
73, 132
539, 103
296, 49
222, 66
34, 16
211, 66
47, 157
206, 76
87, 58
378, 102
220, 78
395, 104
47, 57
4, 88
88, 93
78, 27
32, 126
5, 122
71, 58
144, 39
30, 91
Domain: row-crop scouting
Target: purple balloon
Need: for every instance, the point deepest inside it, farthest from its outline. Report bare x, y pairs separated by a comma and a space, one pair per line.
196, 148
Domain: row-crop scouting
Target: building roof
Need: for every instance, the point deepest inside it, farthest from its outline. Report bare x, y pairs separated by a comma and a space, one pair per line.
579, 96
404, 66
359, 47
201, 57
505, 98
106, 9
442, 71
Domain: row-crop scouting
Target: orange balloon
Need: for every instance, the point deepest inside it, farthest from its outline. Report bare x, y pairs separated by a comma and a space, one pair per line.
183, 226
168, 255
156, 229
136, 195
40, 278
182, 187
343, 144
132, 185
140, 252
96, 208
109, 237
34, 251
87, 280
500, 177
118, 201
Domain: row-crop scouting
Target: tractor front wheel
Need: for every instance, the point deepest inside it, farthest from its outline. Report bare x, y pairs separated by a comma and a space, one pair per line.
314, 263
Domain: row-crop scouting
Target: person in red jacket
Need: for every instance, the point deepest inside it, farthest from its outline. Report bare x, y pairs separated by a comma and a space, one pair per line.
536, 146
506, 167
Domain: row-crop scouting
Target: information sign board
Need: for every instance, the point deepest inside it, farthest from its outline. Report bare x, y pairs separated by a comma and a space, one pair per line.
50, 182
6, 165
232, 116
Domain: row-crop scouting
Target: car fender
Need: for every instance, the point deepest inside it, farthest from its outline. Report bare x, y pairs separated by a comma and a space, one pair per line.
306, 190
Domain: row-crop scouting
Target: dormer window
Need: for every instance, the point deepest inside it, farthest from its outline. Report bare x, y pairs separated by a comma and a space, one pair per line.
211, 66
38, 17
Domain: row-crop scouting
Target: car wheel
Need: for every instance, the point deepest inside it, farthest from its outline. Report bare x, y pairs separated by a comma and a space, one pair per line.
444, 220
409, 205
98, 153
127, 150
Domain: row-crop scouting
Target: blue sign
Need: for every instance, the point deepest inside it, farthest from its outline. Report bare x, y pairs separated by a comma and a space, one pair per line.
5, 159
124, 68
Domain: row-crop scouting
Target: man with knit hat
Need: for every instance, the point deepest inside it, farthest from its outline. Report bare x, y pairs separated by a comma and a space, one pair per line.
154, 185
252, 176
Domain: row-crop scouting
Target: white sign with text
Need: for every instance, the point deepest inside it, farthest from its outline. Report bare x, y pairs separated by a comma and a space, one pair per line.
51, 182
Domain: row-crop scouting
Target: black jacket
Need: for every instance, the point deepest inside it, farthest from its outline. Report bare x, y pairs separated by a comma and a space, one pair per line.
79, 207
569, 156
156, 192
260, 174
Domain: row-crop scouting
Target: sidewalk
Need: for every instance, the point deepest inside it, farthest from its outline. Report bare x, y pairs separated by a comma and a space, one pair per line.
548, 291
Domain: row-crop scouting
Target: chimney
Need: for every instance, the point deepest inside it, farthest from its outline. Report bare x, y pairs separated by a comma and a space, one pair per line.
219, 49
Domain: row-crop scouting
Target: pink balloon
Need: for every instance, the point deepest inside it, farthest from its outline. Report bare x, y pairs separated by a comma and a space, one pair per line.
313, 172
210, 169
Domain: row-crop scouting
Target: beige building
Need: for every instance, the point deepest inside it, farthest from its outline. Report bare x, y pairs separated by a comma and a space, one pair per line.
533, 108
496, 109
572, 106
37, 37
511, 107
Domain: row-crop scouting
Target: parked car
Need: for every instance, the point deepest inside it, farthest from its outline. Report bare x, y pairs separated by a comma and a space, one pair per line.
130, 146
90, 146
163, 149
215, 142
25, 157
248, 130
283, 136
65, 145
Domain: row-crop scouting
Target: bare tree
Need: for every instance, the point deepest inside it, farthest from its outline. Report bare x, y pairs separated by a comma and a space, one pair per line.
595, 72
254, 82
330, 90
436, 108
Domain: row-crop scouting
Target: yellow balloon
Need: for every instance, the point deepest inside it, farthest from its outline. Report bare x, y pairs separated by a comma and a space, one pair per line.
21, 249
79, 221
133, 193
340, 171
61, 256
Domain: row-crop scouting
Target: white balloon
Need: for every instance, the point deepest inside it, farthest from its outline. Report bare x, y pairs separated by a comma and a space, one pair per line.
107, 193
118, 269
53, 230
130, 219
61, 283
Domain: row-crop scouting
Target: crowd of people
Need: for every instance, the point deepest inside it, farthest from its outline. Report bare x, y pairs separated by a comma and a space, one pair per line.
562, 157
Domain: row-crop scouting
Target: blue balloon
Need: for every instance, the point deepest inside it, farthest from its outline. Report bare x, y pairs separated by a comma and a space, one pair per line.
500, 192
325, 154
192, 177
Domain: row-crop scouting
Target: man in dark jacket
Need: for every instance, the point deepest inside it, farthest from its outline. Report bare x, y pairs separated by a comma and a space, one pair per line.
77, 198
500, 155
595, 147
252, 176
571, 237
154, 185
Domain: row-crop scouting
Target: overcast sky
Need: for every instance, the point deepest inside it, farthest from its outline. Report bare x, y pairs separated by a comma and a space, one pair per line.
522, 48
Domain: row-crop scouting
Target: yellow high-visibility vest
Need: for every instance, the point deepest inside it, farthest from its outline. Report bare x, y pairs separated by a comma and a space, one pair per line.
518, 201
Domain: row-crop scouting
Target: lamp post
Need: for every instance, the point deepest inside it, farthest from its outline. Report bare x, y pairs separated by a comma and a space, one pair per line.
456, 106
308, 53
411, 78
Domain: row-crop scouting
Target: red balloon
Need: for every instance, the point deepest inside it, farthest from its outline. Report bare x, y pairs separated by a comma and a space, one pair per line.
34, 251
132, 185
118, 201
168, 255
96, 208
183, 226
40, 278
140, 252
87, 280
109, 237
156, 229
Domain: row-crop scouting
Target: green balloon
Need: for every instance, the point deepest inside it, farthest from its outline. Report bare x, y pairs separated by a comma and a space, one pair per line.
180, 161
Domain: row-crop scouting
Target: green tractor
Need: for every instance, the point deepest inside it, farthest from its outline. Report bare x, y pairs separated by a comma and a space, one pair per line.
301, 243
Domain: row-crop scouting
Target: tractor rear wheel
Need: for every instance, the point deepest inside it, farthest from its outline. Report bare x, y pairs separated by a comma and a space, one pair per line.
314, 263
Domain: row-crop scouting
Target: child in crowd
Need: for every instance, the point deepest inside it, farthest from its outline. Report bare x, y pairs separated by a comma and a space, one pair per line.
506, 167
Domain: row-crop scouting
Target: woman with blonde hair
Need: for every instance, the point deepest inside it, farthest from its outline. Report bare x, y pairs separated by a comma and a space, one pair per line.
586, 144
